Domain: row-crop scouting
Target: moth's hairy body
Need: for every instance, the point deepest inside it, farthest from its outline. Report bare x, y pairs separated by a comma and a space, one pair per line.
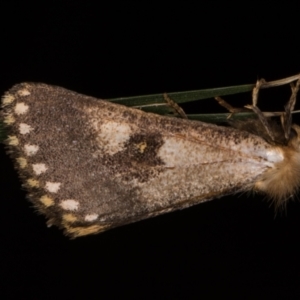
90, 165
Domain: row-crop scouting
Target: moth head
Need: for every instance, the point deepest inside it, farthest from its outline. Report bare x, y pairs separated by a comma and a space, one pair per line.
282, 180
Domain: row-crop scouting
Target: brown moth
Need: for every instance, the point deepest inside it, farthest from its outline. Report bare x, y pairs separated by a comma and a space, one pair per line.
90, 165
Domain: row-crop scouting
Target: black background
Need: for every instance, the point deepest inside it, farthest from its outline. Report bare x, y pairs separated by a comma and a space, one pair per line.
233, 247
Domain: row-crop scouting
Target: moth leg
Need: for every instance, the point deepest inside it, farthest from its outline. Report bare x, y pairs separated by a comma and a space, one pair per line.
286, 117
230, 108
175, 106
257, 111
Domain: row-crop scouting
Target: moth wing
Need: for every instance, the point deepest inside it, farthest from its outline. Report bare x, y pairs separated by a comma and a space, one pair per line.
90, 165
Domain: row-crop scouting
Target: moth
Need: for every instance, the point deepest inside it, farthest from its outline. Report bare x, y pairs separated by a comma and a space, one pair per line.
90, 165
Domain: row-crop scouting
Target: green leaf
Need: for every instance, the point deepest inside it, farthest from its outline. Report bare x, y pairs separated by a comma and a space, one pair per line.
181, 97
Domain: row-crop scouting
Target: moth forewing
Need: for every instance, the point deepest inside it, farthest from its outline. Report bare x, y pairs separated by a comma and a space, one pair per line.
90, 165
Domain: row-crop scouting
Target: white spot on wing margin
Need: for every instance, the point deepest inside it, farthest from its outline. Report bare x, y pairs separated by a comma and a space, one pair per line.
31, 150
24, 92
69, 204
21, 108
39, 168
52, 187
91, 217
24, 128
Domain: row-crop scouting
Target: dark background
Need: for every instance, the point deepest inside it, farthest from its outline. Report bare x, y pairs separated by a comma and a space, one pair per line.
233, 247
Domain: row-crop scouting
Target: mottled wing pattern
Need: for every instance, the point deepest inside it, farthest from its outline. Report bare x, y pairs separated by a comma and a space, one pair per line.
90, 165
